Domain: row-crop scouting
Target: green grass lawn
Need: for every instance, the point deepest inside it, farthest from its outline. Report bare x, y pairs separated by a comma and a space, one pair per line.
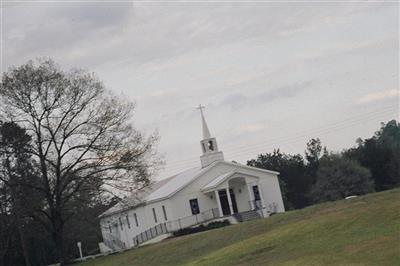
360, 231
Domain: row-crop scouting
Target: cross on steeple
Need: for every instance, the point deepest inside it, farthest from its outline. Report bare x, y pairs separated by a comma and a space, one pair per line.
201, 107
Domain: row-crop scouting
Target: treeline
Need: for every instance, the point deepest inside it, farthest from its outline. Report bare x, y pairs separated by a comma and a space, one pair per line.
321, 175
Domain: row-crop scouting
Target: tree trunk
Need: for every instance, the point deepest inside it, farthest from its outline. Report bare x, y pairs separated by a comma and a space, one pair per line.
23, 243
18, 214
59, 242
58, 232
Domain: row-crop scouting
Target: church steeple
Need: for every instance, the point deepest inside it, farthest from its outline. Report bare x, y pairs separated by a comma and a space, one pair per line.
206, 131
208, 144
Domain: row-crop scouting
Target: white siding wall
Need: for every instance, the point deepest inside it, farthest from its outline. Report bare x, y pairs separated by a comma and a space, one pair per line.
272, 192
145, 220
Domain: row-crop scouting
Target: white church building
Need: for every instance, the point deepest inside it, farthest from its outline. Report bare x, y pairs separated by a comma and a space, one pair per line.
215, 190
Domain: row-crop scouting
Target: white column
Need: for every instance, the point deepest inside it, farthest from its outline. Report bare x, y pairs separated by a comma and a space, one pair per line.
251, 196
229, 200
219, 203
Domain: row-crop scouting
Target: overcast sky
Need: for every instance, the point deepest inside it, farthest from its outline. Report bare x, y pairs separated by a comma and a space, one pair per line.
271, 75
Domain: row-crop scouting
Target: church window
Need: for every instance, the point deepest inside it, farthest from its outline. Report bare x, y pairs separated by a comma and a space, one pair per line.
165, 213
120, 223
155, 215
194, 206
136, 219
210, 145
256, 193
127, 221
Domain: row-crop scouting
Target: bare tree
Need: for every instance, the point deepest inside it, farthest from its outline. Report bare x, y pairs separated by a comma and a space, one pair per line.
83, 140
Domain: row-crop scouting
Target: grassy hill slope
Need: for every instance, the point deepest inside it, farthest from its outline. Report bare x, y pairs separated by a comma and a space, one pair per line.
360, 231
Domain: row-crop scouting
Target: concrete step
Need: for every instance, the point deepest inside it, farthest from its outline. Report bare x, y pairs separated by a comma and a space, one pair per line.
247, 216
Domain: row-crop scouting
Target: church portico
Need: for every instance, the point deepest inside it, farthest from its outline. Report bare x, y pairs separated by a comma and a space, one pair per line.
235, 193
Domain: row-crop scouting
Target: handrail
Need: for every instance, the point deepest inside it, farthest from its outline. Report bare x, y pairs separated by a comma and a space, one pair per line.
114, 242
175, 225
149, 234
256, 205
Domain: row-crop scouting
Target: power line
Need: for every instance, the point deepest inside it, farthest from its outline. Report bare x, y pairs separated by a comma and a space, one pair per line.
331, 126
318, 131
285, 139
270, 145
227, 149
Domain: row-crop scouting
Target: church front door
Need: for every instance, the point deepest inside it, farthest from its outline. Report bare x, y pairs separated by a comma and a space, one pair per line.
224, 202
